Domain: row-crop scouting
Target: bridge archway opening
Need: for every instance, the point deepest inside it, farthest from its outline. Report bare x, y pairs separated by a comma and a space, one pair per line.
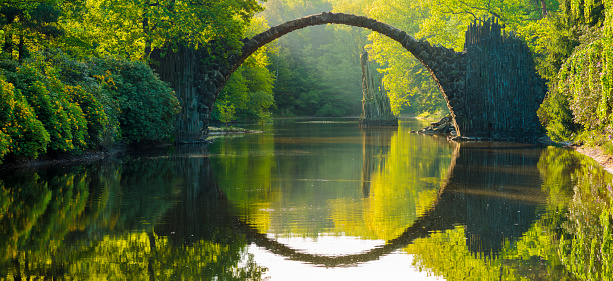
437, 60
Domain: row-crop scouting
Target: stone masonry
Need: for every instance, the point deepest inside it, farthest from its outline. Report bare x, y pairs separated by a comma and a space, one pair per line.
491, 88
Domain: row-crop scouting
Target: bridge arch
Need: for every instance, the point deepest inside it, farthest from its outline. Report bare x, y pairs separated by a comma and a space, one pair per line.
491, 88
445, 65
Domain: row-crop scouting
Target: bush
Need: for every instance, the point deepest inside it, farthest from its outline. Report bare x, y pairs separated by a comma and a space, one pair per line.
93, 111
63, 119
556, 116
56, 104
21, 134
147, 105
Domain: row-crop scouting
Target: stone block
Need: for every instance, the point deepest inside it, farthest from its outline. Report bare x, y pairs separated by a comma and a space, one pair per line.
423, 56
325, 17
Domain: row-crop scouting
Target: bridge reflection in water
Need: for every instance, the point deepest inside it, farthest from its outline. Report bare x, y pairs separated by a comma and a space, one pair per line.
492, 190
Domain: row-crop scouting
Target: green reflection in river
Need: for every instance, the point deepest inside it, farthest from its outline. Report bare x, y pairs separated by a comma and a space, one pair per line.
175, 214
370, 183
570, 239
587, 247
100, 222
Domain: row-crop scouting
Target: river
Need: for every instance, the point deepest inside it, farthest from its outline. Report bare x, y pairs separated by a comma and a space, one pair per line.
313, 199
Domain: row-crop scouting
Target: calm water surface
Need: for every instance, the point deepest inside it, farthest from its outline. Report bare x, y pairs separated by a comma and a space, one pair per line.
313, 200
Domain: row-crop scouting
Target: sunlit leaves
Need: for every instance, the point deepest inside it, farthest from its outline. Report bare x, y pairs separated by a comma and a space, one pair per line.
250, 88
409, 85
133, 28
317, 68
579, 105
226, 112
22, 135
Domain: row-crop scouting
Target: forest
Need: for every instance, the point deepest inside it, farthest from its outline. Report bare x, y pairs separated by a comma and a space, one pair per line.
76, 75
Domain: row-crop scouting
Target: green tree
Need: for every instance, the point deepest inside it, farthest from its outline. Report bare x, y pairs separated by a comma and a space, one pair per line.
250, 88
575, 54
264, 118
226, 112
134, 28
29, 26
316, 67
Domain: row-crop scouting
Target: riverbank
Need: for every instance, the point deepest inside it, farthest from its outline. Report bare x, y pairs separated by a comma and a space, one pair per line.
231, 130
47, 162
605, 160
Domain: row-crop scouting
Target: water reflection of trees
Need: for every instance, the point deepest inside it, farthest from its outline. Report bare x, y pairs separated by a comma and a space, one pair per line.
508, 213
97, 222
504, 213
483, 194
569, 238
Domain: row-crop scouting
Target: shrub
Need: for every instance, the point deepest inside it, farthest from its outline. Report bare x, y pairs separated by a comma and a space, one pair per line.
56, 115
93, 111
63, 119
52, 103
147, 105
556, 116
5, 142
21, 134
92, 94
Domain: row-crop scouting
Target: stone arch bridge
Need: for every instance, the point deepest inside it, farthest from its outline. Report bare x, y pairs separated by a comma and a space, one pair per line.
491, 88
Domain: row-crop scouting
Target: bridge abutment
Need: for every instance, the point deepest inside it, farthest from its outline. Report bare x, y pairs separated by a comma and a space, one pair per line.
502, 86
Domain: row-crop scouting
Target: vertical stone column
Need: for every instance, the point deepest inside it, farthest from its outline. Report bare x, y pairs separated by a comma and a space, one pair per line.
179, 70
502, 84
196, 81
376, 109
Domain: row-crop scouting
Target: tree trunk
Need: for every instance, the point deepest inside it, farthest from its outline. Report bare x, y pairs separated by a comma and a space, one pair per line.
21, 49
8, 44
544, 11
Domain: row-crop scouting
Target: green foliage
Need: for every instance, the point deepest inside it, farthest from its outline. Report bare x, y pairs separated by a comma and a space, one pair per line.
250, 88
81, 105
410, 86
21, 135
5, 142
580, 78
556, 117
587, 250
62, 118
264, 118
317, 66
328, 110
133, 28
147, 105
93, 110
579, 104
226, 112
29, 26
